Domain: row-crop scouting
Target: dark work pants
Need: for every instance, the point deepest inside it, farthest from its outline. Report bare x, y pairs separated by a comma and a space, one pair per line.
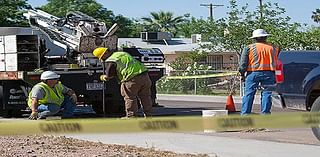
134, 90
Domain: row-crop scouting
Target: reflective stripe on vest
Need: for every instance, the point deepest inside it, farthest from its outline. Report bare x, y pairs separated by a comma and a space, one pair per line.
262, 57
51, 97
127, 66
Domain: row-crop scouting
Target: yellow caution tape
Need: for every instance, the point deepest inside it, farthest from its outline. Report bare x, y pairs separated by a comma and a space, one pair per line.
202, 76
160, 124
283, 120
99, 125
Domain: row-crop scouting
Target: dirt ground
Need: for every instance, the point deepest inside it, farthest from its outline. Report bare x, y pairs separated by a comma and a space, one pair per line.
51, 146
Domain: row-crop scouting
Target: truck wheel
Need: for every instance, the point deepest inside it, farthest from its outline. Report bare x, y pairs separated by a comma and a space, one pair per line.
6, 114
97, 107
316, 108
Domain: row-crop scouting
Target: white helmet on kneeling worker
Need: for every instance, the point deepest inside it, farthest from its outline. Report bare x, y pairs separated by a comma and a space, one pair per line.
49, 75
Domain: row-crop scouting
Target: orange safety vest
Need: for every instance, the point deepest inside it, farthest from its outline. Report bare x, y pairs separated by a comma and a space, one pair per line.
262, 56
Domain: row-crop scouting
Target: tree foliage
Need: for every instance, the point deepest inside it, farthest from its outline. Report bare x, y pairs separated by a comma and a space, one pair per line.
233, 32
11, 13
186, 65
187, 60
316, 15
192, 26
162, 21
90, 7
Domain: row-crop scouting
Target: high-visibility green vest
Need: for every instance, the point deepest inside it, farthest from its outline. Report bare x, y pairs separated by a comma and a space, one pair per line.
50, 97
127, 66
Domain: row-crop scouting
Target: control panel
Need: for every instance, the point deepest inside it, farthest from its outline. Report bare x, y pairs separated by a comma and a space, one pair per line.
146, 55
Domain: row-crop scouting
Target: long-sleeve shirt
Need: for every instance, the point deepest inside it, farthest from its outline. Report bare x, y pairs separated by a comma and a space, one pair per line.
244, 59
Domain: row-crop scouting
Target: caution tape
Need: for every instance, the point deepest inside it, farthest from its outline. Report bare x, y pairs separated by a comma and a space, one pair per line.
202, 76
161, 124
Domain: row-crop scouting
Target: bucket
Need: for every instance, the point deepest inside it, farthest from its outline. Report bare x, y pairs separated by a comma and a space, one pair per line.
207, 122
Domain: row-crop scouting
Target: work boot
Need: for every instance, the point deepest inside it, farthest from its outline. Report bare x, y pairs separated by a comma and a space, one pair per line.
127, 117
157, 105
41, 118
147, 115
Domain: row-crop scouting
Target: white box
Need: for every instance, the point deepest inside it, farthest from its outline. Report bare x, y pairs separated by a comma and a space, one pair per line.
207, 123
1, 48
1, 44
2, 63
11, 62
10, 44
213, 113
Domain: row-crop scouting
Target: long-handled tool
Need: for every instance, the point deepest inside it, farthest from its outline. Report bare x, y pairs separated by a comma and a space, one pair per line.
104, 90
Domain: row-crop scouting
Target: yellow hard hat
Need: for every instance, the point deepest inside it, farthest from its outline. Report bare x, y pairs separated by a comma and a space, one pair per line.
99, 52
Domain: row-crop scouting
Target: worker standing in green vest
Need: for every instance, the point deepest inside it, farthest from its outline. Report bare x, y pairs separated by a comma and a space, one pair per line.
133, 76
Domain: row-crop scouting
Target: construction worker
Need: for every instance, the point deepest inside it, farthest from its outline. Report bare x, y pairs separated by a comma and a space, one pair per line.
49, 96
133, 76
257, 68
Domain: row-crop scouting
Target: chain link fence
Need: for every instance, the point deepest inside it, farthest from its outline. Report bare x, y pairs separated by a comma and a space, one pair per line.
200, 83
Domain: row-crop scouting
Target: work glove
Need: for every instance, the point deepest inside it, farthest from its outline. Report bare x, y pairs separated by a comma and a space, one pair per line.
103, 77
34, 115
241, 75
74, 98
242, 78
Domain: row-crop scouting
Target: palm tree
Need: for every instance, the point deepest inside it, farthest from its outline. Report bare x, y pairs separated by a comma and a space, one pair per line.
162, 21
316, 16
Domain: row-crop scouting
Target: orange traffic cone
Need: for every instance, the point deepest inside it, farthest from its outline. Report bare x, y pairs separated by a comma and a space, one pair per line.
230, 104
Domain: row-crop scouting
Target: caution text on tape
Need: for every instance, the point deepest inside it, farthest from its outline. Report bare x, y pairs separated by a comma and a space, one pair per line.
160, 124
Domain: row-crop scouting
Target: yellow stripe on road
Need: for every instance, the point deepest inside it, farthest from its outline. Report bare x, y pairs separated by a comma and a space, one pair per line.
202, 76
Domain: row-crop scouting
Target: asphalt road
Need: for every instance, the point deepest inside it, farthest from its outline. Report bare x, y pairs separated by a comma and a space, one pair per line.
292, 135
187, 102
189, 105
257, 143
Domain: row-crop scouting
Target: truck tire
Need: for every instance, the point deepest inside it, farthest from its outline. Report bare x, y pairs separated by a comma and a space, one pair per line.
6, 114
316, 108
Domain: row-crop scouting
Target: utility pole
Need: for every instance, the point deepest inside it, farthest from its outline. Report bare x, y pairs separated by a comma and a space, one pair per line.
211, 7
261, 13
261, 9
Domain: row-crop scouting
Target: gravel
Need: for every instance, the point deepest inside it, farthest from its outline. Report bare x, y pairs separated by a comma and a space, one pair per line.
51, 146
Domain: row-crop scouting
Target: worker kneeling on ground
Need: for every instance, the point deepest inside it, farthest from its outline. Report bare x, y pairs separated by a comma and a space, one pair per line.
133, 76
49, 96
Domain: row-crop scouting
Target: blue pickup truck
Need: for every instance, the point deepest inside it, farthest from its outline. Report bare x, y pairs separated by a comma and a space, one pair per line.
298, 82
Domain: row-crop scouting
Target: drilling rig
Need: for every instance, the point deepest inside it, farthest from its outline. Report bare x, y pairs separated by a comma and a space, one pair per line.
64, 45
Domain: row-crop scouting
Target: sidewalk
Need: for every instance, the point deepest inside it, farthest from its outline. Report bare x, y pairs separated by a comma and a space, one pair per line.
200, 143
202, 98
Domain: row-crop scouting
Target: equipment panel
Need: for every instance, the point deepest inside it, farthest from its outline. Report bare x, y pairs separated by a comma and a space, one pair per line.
146, 55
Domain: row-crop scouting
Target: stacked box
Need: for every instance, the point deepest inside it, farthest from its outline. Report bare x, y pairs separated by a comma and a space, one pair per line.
19, 53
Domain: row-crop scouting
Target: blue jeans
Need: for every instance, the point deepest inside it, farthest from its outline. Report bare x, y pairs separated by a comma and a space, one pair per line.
68, 107
253, 79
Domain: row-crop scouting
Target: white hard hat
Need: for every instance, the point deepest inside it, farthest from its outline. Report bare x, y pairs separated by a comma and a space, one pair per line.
259, 33
49, 75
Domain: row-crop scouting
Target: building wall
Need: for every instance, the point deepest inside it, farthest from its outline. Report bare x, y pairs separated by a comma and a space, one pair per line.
168, 59
228, 61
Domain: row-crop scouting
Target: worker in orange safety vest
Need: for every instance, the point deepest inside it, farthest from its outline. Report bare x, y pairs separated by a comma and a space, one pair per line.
257, 67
